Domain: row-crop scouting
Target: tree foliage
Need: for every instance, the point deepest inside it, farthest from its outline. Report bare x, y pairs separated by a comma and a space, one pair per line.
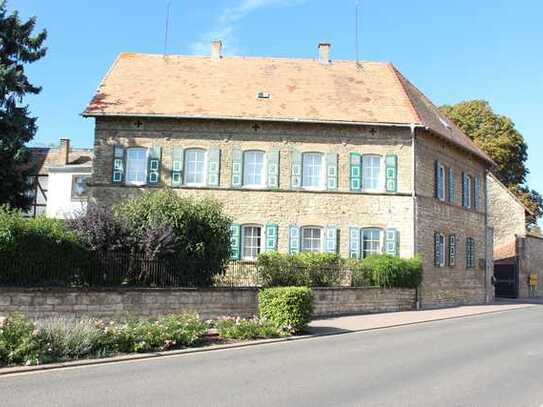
18, 46
497, 136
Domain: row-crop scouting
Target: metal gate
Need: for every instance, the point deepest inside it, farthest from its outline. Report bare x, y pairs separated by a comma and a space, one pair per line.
506, 284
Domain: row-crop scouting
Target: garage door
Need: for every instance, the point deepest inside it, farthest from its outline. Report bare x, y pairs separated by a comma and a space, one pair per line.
506, 280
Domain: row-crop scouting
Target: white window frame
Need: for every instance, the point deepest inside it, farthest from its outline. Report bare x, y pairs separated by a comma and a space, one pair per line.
442, 252
263, 174
466, 194
381, 241
441, 184
129, 163
380, 177
322, 177
185, 163
242, 246
321, 238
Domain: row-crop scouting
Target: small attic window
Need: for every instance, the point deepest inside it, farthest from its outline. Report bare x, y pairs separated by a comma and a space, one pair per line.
263, 95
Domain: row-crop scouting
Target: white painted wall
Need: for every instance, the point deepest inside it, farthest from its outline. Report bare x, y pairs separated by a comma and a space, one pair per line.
59, 195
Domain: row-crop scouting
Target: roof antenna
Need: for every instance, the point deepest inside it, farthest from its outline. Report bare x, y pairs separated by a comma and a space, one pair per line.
166, 29
356, 32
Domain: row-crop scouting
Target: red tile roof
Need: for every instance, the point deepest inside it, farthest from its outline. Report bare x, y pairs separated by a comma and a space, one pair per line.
301, 90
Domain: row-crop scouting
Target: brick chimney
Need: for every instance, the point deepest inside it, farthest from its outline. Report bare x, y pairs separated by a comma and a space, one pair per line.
324, 52
64, 151
216, 49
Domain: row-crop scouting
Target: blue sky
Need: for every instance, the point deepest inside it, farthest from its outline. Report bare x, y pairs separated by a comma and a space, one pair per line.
452, 50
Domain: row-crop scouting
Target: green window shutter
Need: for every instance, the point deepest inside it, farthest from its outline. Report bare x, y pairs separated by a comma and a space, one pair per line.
354, 242
295, 169
331, 239
391, 169
117, 176
293, 239
331, 171
177, 167
235, 242
213, 166
452, 250
436, 176
237, 168
392, 242
464, 205
273, 169
153, 165
355, 172
271, 238
437, 248
477, 194
452, 186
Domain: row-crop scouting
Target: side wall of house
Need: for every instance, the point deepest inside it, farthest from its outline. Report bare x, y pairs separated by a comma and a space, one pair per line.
505, 214
449, 284
530, 249
282, 206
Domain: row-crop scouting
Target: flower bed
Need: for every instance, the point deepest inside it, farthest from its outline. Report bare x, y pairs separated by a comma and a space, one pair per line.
23, 342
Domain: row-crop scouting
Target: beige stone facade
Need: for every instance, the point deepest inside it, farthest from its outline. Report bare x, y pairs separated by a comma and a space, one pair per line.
413, 210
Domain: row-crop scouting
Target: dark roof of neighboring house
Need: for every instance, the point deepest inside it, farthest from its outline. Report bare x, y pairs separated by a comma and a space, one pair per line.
41, 158
300, 90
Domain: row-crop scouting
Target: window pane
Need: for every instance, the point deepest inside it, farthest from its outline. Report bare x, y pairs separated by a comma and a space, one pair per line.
79, 186
253, 165
43, 180
311, 240
371, 242
371, 172
312, 170
252, 238
136, 166
195, 167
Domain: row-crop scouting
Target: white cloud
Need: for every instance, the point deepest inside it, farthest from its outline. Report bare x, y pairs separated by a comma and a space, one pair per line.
225, 25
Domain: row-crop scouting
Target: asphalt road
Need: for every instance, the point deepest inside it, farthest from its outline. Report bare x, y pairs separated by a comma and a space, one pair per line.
489, 360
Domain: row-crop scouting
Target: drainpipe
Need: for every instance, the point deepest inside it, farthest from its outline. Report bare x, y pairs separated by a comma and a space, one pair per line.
414, 200
486, 238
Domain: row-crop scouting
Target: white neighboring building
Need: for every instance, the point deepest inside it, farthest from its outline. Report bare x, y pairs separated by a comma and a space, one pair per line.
67, 190
58, 180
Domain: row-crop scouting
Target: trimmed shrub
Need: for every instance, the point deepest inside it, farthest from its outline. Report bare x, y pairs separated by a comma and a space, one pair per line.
38, 251
388, 272
303, 269
289, 308
244, 329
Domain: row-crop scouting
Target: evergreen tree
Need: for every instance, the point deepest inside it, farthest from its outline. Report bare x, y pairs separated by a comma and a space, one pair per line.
18, 46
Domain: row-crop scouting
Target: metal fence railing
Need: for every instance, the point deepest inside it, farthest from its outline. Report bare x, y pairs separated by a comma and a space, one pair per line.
113, 269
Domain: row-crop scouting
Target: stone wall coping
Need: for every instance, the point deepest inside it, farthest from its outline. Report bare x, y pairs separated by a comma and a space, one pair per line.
121, 289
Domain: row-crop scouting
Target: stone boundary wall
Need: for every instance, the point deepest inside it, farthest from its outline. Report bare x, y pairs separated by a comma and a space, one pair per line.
349, 301
210, 303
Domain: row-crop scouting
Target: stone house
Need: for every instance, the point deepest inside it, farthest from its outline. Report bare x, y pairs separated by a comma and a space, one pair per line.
57, 180
305, 155
517, 251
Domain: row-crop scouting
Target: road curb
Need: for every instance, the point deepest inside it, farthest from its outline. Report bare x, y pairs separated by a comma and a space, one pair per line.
142, 356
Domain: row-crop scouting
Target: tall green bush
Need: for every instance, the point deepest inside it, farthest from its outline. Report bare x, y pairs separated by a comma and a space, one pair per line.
290, 308
31, 249
199, 226
303, 269
387, 272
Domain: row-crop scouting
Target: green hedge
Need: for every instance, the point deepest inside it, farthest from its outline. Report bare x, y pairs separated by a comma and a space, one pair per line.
387, 272
290, 308
42, 249
303, 269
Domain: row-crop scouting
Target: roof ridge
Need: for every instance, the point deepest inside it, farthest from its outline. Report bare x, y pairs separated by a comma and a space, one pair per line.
342, 61
399, 77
